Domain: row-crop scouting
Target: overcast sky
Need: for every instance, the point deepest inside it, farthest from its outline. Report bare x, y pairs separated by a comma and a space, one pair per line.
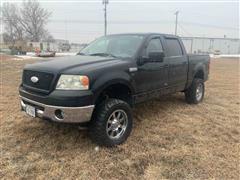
83, 21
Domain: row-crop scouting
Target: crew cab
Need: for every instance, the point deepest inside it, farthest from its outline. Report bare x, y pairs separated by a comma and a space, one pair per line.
101, 84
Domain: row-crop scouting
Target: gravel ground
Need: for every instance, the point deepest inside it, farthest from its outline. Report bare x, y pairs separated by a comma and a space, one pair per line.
170, 139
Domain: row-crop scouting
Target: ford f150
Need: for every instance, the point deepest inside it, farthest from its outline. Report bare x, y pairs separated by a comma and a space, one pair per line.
100, 85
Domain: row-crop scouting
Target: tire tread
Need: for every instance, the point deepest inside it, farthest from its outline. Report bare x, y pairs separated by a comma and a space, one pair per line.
97, 126
190, 93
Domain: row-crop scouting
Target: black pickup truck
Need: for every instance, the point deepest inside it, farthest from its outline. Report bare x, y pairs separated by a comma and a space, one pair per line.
101, 84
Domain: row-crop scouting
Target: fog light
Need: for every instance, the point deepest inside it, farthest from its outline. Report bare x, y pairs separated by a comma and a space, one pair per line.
59, 114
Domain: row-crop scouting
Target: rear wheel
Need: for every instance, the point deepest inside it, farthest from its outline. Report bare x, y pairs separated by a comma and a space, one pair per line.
195, 93
112, 123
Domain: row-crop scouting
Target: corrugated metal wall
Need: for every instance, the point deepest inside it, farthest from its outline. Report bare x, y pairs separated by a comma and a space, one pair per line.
211, 45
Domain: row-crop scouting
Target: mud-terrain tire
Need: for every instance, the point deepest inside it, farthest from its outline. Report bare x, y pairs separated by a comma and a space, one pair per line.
195, 93
111, 123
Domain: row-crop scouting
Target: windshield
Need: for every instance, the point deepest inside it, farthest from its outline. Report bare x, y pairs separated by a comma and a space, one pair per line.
123, 46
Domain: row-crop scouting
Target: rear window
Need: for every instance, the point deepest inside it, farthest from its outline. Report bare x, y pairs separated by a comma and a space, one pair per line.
174, 47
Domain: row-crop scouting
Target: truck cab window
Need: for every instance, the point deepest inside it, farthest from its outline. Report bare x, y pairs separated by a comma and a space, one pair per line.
173, 47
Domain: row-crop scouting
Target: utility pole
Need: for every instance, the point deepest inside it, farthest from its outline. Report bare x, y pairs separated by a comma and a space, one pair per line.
191, 45
176, 22
105, 2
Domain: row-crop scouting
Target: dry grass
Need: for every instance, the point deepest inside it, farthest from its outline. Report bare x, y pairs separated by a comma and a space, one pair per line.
170, 139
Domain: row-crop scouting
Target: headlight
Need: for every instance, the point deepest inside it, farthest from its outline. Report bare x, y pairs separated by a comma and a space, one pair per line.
73, 82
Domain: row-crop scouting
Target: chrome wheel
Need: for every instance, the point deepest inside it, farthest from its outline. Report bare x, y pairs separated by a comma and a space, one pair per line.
199, 92
116, 124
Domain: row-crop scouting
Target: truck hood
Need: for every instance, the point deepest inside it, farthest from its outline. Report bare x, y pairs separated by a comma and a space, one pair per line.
72, 64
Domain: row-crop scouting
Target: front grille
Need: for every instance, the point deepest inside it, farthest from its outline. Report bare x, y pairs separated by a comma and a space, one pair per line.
44, 80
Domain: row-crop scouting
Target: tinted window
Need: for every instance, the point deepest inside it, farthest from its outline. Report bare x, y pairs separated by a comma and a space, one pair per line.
174, 47
154, 45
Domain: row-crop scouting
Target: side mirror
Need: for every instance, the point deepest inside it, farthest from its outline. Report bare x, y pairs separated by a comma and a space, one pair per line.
143, 60
156, 56
152, 57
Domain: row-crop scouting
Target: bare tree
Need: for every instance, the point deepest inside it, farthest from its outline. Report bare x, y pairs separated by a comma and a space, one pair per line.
25, 23
34, 19
13, 28
48, 38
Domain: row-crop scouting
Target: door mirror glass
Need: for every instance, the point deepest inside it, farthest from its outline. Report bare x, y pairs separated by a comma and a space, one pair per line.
156, 56
152, 57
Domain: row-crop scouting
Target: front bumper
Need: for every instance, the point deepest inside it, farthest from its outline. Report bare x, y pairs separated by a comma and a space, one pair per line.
59, 113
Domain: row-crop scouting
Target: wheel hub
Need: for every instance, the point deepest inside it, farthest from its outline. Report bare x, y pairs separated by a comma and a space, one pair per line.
116, 124
199, 92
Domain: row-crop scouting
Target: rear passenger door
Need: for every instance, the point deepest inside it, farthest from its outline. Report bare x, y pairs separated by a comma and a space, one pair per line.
178, 63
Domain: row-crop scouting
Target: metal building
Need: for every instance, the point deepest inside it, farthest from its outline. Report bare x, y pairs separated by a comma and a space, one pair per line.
209, 45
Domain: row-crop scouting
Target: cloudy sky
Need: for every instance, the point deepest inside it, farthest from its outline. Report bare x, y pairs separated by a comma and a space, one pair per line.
82, 21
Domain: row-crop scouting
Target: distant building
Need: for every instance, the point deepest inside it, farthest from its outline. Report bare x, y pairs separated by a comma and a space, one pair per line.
58, 45
63, 45
77, 47
207, 45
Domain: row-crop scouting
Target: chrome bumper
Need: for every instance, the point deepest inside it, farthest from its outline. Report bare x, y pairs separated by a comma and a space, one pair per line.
58, 113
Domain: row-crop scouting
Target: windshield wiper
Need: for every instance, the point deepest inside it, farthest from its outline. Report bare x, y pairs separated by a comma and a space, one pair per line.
81, 54
102, 54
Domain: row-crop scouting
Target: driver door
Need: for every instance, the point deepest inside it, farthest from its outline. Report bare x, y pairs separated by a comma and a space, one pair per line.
152, 76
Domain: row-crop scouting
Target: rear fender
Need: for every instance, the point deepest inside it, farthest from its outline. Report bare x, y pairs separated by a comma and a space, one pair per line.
198, 67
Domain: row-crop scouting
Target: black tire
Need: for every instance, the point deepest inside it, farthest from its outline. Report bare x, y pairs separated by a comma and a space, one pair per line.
191, 94
98, 125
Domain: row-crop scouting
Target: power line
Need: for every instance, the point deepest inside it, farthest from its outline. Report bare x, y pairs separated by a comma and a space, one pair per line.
184, 30
90, 21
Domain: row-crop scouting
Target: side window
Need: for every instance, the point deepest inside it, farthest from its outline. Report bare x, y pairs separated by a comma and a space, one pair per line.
154, 45
173, 47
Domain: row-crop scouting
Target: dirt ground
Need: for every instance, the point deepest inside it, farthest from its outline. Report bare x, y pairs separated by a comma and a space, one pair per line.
170, 139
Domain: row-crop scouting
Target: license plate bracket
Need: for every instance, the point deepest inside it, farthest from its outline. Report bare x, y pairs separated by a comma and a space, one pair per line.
31, 111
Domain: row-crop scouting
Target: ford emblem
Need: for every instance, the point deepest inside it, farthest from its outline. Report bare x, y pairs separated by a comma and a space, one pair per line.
34, 79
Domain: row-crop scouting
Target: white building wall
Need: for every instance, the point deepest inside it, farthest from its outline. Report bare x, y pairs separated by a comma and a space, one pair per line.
225, 46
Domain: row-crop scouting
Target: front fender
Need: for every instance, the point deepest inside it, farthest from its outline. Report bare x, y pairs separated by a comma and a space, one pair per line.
108, 79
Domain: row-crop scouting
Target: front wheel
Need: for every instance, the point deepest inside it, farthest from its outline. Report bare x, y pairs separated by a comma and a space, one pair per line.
195, 93
111, 123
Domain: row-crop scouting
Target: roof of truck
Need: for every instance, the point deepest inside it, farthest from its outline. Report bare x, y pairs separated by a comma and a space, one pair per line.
144, 34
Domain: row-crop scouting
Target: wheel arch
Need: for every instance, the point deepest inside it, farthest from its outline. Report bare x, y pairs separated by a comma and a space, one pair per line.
199, 74
115, 88
200, 71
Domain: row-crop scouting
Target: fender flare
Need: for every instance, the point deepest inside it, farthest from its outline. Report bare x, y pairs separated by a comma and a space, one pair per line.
192, 74
108, 80
199, 68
